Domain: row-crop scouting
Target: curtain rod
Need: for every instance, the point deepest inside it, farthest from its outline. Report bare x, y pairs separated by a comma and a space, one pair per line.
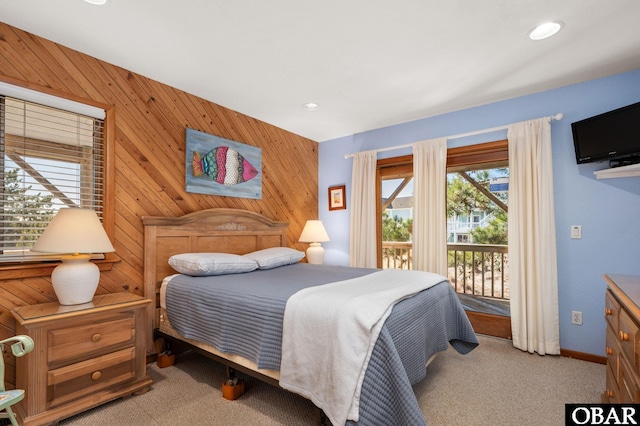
556, 117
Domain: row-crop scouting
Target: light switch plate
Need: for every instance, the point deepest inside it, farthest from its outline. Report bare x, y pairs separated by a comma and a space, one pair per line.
576, 231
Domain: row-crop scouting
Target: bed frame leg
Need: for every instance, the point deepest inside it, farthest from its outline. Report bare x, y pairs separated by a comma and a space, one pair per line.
232, 387
230, 372
166, 358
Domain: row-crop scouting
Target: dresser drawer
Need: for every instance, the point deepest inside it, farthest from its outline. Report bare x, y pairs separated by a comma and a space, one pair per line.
613, 352
612, 393
622, 318
611, 310
628, 336
629, 390
91, 339
83, 378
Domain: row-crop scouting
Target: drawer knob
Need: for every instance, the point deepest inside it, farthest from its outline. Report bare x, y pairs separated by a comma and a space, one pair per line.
96, 337
609, 351
607, 311
609, 393
96, 375
623, 336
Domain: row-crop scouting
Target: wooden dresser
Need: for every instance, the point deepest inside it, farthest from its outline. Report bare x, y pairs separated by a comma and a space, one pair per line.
84, 355
622, 313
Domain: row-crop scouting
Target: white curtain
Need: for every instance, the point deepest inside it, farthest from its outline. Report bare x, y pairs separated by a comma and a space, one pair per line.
430, 206
362, 235
533, 274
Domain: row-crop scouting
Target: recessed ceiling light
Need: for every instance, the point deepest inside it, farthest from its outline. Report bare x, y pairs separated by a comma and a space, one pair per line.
311, 106
98, 2
545, 30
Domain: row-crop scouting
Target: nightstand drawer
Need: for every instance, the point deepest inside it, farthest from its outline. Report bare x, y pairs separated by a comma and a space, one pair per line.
81, 379
92, 339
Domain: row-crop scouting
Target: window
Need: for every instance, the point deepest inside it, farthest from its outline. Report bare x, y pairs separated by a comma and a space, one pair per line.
395, 187
52, 157
395, 192
463, 238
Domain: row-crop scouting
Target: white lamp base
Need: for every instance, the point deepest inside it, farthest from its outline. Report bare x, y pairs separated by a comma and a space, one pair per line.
75, 280
315, 254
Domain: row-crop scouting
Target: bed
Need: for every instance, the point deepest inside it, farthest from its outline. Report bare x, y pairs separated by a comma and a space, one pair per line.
414, 328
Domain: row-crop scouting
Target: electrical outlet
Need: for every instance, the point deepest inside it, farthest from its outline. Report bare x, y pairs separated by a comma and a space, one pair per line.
576, 317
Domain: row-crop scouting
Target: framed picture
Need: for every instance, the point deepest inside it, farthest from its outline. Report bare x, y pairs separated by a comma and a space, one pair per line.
337, 200
219, 166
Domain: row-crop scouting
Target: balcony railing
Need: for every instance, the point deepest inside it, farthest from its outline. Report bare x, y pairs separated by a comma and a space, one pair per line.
479, 269
397, 255
474, 269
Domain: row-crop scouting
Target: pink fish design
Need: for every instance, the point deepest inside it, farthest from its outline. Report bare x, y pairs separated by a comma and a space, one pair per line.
223, 165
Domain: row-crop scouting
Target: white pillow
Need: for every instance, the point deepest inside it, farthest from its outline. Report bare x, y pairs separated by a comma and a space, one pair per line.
275, 256
202, 264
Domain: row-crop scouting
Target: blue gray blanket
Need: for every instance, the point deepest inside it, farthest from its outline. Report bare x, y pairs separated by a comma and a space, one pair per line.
242, 314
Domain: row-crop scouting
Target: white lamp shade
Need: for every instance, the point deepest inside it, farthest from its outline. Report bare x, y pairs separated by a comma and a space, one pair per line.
314, 232
77, 232
74, 231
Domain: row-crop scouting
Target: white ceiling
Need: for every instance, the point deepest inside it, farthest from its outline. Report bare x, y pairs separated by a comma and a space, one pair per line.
368, 63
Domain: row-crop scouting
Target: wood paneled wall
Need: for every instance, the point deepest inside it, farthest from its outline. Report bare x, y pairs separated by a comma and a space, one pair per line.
149, 126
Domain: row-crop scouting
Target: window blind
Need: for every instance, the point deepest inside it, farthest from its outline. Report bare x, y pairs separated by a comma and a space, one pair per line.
52, 158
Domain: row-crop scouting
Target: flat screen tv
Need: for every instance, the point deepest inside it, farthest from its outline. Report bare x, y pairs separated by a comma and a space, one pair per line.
613, 136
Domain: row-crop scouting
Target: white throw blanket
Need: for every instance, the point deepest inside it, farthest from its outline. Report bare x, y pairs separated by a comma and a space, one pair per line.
329, 332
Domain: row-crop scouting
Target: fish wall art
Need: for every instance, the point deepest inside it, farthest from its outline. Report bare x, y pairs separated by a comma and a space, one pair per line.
219, 166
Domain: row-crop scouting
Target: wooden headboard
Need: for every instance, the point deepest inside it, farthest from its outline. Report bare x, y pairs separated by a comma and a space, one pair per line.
214, 230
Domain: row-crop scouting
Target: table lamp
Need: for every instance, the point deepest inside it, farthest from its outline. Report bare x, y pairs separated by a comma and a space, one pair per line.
75, 233
315, 234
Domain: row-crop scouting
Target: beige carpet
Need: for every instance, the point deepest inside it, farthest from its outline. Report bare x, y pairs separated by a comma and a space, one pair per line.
493, 385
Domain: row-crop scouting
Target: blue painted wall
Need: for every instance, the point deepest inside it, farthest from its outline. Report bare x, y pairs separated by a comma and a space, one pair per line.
608, 210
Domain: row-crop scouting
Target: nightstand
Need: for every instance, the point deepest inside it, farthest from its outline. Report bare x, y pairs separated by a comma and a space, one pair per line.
84, 356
